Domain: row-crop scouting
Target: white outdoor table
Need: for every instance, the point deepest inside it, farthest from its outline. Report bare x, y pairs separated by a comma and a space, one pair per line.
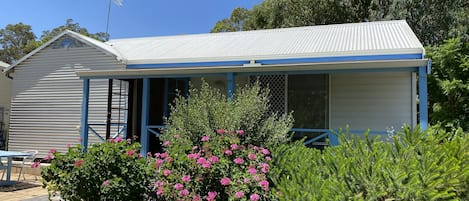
9, 155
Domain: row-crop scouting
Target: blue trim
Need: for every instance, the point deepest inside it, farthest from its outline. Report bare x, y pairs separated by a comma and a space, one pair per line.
145, 138
84, 114
340, 58
188, 64
231, 85
279, 61
423, 97
429, 66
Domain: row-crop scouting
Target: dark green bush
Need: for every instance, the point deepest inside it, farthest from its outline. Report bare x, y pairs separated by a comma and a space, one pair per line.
107, 171
417, 165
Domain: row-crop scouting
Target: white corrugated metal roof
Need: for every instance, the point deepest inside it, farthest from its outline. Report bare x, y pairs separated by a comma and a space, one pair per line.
368, 38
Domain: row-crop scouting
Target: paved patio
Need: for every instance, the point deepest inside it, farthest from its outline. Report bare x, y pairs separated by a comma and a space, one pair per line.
29, 189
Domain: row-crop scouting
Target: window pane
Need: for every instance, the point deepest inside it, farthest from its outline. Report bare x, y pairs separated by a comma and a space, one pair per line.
308, 99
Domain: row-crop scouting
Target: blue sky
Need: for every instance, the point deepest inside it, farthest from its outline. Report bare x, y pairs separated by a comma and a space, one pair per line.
136, 18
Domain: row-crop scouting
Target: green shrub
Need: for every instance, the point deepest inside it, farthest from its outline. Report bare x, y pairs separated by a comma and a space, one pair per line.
107, 171
417, 165
207, 110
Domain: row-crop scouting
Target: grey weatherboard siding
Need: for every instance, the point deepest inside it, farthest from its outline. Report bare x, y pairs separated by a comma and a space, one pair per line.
47, 96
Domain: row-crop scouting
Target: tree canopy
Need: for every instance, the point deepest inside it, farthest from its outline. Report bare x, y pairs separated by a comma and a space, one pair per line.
17, 40
432, 21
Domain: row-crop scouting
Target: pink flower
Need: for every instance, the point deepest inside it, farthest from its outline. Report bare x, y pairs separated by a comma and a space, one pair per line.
130, 152
140, 155
265, 151
106, 183
206, 165
197, 198
238, 160
169, 159
264, 184
166, 173
225, 181
240, 132
78, 163
178, 186
159, 183
256, 148
160, 191
157, 155
265, 167
211, 195
228, 152
184, 193
213, 159
239, 194
49, 157
252, 156
234, 146
252, 170
158, 163
117, 139
247, 181
201, 160
164, 155
51, 151
205, 138
166, 143
35, 164
256, 178
268, 158
254, 197
193, 156
186, 178
221, 131
195, 147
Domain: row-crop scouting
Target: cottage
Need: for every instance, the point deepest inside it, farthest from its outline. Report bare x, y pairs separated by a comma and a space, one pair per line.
366, 75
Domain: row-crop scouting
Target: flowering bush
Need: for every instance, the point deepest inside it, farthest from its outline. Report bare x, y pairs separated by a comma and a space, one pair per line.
107, 171
217, 167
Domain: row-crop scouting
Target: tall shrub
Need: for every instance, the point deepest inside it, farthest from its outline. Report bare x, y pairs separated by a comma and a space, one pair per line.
207, 109
417, 165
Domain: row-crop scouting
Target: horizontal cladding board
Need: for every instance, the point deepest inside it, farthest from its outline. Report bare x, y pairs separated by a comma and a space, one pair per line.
371, 100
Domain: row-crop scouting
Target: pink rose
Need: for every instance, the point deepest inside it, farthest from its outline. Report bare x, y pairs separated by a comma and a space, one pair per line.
238, 160
197, 198
117, 139
106, 183
240, 132
195, 147
166, 173
265, 151
77, 163
51, 151
239, 194
158, 163
178, 186
247, 181
228, 152
160, 191
252, 156
205, 138
254, 197
234, 146
206, 165
166, 143
265, 167
159, 183
220, 131
164, 155
201, 160
225, 181
213, 159
264, 184
211, 195
130, 152
186, 178
169, 159
268, 158
252, 170
184, 193
193, 156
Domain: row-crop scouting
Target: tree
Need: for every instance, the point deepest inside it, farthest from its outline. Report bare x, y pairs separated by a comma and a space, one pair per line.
16, 40
449, 84
69, 25
432, 21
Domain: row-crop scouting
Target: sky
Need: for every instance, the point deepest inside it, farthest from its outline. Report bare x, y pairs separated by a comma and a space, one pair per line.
135, 18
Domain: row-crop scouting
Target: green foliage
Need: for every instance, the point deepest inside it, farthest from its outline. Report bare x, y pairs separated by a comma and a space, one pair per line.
207, 110
16, 40
449, 84
417, 165
107, 171
432, 21
70, 25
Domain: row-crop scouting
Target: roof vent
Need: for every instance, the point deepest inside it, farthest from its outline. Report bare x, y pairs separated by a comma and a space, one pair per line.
252, 63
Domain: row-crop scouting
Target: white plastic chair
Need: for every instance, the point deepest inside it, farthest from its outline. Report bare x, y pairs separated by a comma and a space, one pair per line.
26, 159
